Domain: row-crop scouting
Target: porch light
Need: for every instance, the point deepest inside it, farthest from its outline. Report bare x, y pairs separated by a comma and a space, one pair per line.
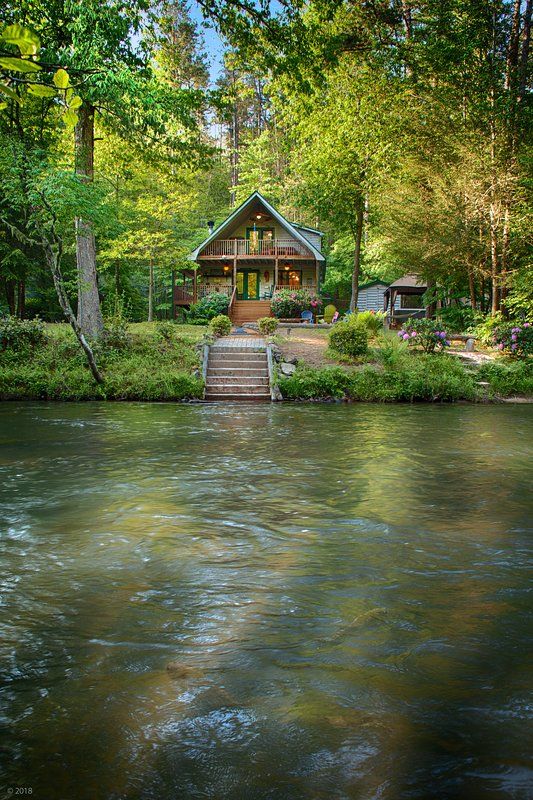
226, 268
286, 268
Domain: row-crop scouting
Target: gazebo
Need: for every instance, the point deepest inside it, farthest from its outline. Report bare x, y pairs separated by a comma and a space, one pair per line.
403, 299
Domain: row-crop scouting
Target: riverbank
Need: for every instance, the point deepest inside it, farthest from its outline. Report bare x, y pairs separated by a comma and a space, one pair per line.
141, 362
160, 362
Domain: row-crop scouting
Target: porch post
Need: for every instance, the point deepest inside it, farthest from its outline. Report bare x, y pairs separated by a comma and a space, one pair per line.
276, 264
195, 285
234, 272
317, 270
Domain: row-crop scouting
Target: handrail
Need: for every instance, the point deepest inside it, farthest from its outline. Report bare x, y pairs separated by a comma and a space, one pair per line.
232, 300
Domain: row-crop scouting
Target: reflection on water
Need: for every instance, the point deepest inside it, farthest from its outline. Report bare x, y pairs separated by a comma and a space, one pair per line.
279, 602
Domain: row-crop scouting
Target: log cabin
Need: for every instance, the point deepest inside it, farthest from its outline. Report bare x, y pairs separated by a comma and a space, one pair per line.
250, 255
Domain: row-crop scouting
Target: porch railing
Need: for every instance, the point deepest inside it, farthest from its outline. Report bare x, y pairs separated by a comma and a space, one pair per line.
214, 288
310, 287
266, 248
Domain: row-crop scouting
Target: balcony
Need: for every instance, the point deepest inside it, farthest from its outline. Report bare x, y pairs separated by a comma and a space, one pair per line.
249, 249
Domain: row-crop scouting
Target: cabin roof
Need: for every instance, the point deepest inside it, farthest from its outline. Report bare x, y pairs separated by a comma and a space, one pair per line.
307, 228
408, 284
368, 284
254, 197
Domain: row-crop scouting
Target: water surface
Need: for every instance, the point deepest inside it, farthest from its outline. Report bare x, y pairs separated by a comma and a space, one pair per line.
341, 590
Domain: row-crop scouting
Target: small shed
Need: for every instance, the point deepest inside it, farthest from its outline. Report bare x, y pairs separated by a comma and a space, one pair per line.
370, 296
403, 298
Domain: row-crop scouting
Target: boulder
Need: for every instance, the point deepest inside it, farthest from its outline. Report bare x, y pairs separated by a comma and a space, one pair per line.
287, 368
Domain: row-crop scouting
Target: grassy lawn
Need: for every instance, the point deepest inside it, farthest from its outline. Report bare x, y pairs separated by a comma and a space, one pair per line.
140, 365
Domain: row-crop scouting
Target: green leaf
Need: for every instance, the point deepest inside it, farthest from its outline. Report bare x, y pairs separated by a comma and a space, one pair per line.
75, 102
39, 90
19, 65
26, 40
2, 106
61, 79
70, 118
10, 93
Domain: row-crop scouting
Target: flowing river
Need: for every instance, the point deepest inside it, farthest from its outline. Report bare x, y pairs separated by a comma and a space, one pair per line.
269, 602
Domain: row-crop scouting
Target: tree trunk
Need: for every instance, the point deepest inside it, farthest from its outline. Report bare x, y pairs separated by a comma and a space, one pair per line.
151, 292
358, 236
494, 263
21, 299
9, 286
54, 262
89, 311
472, 287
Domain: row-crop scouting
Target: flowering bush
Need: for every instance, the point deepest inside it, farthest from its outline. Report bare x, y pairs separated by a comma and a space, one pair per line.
515, 337
289, 303
424, 333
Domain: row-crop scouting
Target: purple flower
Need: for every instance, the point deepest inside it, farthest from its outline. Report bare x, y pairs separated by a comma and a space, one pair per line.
516, 330
405, 336
413, 334
500, 346
513, 337
401, 333
513, 347
527, 324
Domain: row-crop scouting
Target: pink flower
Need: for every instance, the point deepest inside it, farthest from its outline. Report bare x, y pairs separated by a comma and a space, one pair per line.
413, 334
527, 324
513, 337
405, 336
500, 346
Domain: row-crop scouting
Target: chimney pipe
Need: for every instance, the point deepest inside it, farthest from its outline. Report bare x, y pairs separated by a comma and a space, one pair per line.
211, 226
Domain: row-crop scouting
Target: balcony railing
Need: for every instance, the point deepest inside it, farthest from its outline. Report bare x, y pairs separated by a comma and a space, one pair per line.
264, 248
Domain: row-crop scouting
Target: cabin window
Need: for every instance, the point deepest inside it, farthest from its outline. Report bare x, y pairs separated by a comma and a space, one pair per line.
411, 301
291, 277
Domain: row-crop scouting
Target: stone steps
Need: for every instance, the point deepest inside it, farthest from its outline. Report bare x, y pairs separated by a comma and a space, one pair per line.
237, 371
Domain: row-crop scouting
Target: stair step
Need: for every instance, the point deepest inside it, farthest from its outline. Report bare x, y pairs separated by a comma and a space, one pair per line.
252, 372
253, 398
239, 380
240, 388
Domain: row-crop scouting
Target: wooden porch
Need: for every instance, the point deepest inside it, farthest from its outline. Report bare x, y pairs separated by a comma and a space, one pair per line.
255, 249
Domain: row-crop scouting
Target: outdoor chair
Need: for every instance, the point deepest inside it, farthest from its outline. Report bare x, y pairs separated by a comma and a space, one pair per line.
307, 316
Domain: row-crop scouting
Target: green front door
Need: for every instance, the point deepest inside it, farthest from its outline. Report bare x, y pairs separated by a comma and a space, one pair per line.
247, 284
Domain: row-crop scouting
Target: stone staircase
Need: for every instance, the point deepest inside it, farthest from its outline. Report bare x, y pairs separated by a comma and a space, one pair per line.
237, 369
249, 311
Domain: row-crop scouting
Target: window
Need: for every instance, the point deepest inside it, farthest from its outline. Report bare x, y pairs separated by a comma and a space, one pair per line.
411, 301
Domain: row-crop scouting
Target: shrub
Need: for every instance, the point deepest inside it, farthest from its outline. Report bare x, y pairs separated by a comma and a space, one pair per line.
289, 303
115, 335
372, 320
220, 325
514, 337
424, 333
459, 319
424, 378
485, 330
210, 306
165, 330
391, 350
349, 338
21, 334
267, 325
505, 379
